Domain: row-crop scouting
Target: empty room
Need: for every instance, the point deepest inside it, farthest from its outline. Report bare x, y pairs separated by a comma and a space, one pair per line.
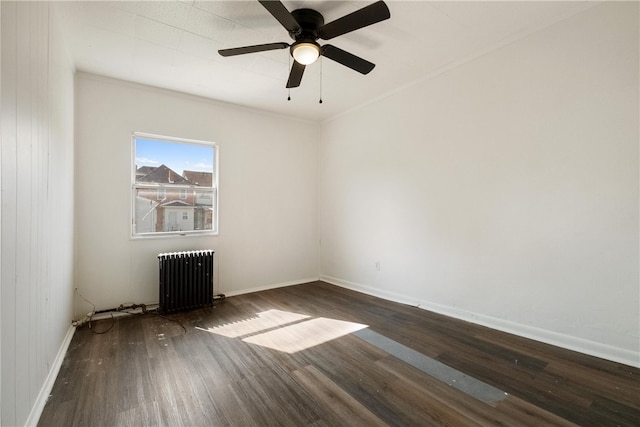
323, 213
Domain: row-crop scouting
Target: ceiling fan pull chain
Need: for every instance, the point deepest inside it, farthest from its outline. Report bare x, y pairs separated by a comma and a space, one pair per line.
305, 26
288, 88
320, 102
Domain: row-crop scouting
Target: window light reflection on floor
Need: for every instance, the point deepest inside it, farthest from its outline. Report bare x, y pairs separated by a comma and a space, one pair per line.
285, 331
265, 320
304, 335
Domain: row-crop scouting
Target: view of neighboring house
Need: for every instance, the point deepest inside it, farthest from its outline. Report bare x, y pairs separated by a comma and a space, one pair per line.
204, 199
167, 201
144, 170
145, 215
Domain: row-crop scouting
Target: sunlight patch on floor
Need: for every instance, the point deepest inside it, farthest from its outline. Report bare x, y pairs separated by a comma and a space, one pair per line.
263, 321
304, 335
285, 331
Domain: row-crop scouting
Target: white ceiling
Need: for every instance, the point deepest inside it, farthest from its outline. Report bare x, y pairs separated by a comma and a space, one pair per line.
174, 44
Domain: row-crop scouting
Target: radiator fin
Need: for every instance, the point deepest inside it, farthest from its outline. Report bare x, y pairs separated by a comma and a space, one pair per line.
186, 280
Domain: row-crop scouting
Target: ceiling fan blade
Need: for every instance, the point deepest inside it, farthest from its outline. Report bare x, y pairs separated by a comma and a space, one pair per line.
252, 49
280, 12
368, 15
347, 59
296, 75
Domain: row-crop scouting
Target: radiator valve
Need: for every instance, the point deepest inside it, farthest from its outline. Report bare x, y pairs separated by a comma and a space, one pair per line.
85, 319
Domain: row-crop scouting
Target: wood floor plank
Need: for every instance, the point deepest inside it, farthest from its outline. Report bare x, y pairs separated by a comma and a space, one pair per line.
509, 412
622, 386
525, 413
328, 394
605, 410
428, 397
180, 370
65, 411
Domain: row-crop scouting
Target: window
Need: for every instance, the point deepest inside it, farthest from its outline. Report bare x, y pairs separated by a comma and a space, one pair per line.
174, 186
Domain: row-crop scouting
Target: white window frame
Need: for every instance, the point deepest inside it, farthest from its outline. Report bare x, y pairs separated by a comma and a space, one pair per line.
136, 186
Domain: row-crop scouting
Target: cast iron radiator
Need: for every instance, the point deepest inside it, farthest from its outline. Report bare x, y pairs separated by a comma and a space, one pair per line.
186, 280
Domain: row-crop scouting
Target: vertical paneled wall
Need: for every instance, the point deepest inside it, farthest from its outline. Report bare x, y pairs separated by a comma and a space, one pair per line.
37, 204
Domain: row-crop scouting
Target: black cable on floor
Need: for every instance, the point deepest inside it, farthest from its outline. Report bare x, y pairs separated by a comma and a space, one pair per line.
171, 320
113, 322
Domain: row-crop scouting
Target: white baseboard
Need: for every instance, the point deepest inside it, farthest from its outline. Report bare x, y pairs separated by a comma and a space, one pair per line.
45, 391
604, 351
267, 287
109, 314
391, 296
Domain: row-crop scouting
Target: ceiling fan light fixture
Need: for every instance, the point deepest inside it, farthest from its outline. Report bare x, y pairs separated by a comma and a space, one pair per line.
305, 26
305, 53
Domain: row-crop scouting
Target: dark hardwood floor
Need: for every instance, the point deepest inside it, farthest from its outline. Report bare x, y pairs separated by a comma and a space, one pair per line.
291, 357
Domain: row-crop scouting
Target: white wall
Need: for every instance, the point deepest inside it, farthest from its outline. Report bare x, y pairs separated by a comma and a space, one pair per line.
503, 191
267, 192
37, 207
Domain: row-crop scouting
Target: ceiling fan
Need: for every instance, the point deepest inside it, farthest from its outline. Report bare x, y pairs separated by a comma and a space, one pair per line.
305, 26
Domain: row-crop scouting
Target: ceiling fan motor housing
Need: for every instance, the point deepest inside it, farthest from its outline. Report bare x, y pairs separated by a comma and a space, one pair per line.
306, 26
310, 22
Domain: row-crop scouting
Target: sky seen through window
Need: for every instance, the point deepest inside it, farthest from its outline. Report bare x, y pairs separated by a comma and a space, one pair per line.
178, 156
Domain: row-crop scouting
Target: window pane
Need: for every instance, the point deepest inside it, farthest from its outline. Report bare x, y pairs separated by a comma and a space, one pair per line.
173, 214
165, 162
174, 188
